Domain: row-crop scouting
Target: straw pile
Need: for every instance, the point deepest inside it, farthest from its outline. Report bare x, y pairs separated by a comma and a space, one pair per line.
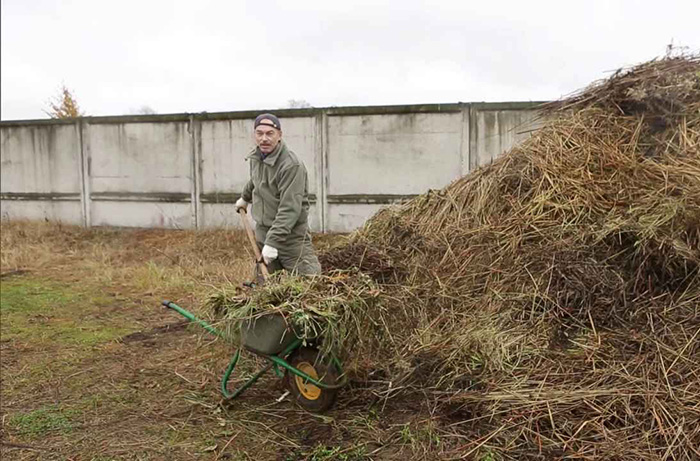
553, 297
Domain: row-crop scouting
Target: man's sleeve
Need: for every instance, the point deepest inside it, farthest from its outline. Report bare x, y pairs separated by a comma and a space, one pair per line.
291, 183
247, 194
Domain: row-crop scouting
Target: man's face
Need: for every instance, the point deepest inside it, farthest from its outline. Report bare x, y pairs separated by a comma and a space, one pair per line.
267, 138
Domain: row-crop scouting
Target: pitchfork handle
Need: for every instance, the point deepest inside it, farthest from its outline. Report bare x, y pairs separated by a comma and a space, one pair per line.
251, 236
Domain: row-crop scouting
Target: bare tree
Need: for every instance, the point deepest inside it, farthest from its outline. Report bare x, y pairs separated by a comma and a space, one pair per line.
63, 105
143, 110
298, 104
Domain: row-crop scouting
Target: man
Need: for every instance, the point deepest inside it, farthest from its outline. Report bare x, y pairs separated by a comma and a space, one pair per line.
279, 192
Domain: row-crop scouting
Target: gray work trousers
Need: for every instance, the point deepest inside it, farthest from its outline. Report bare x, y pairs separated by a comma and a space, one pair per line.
296, 256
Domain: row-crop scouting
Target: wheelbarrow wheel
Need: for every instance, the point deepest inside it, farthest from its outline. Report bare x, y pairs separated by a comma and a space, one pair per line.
308, 395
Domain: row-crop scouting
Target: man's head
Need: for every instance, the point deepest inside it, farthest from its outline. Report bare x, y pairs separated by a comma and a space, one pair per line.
268, 132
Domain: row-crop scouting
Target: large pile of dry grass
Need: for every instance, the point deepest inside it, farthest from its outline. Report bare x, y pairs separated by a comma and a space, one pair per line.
553, 297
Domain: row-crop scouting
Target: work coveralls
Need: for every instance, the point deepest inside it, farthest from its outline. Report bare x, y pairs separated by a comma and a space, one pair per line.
279, 192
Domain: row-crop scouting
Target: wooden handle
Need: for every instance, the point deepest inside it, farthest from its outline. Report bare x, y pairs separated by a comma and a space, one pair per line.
251, 238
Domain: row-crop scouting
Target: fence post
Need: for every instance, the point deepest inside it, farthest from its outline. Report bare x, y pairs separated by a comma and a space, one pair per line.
195, 169
324, 177
473, 138
319, 168
84, 166
465, 141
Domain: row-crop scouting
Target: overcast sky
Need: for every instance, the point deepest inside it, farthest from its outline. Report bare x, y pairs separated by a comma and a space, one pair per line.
198, 55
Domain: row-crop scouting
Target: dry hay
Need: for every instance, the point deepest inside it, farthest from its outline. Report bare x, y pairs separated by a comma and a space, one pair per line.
337, 307
552, 298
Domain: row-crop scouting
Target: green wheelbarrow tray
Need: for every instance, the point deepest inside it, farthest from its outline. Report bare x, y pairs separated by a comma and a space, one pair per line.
269, 337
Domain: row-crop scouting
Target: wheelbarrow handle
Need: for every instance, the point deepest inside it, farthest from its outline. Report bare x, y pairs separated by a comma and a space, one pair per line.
251, 237
192, 318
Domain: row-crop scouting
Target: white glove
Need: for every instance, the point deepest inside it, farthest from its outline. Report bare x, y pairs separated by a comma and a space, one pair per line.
269, 254
241, 205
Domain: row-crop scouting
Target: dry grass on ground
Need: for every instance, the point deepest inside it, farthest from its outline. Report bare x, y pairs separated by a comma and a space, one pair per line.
94, 369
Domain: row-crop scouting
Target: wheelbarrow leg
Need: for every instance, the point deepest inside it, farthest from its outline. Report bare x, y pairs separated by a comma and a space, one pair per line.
272, 363
250, 382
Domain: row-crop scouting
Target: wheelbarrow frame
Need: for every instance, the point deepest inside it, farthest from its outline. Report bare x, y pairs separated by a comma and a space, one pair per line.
276, 360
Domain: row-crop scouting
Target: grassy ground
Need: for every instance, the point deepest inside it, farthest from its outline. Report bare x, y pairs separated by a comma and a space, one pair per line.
94, 369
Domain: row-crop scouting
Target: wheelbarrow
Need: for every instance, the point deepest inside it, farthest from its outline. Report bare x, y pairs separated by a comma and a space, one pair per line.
311, 378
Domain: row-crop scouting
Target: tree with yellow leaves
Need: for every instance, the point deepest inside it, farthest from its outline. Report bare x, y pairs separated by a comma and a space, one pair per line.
64, 105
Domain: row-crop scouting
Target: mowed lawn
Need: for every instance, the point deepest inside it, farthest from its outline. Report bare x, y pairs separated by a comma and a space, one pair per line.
93, 368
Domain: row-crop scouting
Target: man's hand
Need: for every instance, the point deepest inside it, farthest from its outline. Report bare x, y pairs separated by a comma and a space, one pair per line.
269, 254
241, 205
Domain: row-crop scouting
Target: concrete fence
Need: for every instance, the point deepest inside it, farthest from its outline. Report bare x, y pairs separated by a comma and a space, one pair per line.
185, 171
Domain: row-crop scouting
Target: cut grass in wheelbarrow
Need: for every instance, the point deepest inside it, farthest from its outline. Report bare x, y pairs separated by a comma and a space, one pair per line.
312, 378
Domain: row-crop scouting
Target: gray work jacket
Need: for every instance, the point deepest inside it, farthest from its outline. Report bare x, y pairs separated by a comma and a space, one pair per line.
279, 191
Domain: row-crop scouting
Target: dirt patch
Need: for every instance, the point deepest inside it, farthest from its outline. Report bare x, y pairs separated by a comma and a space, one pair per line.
150, 335
14, 273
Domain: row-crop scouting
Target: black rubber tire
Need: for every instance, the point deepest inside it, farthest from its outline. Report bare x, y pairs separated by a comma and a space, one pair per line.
324, 370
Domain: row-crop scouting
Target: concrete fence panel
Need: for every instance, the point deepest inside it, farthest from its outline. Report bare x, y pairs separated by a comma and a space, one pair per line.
140, 174
223, 148
497, 128
41, 172
378, 159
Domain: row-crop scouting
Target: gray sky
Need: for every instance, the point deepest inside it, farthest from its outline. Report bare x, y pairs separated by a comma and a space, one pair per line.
194, 56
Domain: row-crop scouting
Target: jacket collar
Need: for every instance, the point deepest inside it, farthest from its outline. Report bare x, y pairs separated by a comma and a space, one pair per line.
270, 158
